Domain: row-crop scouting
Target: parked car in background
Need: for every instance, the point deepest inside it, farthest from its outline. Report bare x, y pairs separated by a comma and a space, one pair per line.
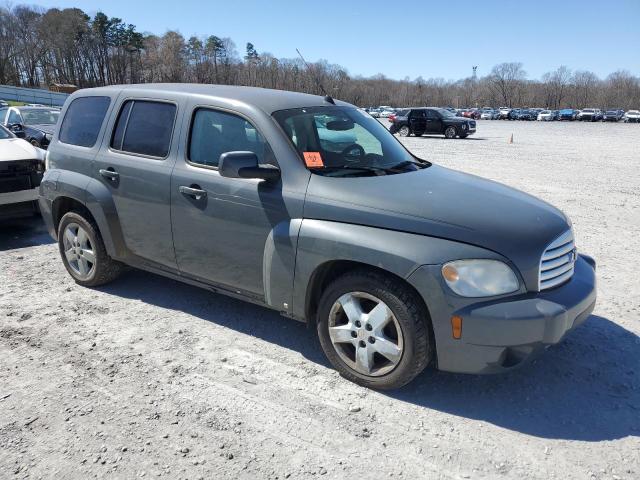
514, 113
527, 115
489, 114
34, 124
504, 113
567, 114
384, 254
386, 113
3, 104
21, 170
431, 121
632, 116
547, 115
471, 113
374, 112
613, 115
590, 115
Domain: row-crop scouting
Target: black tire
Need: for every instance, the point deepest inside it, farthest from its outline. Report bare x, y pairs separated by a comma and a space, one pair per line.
408, 310
404, 131
105, 269
450, 132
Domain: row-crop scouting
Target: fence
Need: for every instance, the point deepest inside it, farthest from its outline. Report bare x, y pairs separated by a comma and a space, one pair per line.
32, 95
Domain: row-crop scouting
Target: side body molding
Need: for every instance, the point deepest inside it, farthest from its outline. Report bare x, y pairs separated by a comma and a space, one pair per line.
101, 205
279, 264
59, 184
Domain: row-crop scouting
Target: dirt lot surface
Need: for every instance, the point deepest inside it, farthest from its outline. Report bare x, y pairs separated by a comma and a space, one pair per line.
151, 378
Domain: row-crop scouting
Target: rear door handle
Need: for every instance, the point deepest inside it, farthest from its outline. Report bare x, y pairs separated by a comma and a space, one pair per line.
109, 173
194, 192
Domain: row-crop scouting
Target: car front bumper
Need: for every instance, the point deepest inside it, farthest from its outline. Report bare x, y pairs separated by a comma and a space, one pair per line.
19, 196
503, 333
20, 203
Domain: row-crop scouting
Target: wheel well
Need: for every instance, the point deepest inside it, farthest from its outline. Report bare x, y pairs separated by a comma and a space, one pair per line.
329, 271
62, 205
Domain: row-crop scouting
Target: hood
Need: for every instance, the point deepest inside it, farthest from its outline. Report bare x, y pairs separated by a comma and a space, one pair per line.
17, 149
447, 204
42, 127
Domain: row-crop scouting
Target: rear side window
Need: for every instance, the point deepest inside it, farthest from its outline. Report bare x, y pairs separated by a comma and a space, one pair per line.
144, 127
431, 115
82, 122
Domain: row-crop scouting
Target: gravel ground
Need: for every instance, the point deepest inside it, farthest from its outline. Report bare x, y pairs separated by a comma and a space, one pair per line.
151, 378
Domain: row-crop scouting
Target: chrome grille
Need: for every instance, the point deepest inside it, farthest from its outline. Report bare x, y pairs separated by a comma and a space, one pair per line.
557, 262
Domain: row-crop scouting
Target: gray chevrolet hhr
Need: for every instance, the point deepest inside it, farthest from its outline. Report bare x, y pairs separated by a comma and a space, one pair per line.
310, 207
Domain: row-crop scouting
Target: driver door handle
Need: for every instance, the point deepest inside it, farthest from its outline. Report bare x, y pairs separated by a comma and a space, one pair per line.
192, 192
109, 173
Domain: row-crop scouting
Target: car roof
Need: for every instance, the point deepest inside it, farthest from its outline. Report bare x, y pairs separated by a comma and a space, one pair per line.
268, 100
21, 108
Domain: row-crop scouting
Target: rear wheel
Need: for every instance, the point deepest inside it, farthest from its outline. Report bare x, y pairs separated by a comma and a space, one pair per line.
450, 132
83, 252
374, 330
404, 131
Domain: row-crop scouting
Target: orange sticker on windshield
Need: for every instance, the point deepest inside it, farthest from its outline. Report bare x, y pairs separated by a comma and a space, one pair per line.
313, 159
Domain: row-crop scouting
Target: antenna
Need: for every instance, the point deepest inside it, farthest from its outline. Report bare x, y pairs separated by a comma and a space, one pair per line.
326, 95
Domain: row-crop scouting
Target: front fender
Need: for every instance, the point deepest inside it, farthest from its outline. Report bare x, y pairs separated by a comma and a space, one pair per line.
396, 252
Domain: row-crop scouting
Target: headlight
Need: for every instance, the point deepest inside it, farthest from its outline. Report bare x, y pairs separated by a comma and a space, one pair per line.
479, 278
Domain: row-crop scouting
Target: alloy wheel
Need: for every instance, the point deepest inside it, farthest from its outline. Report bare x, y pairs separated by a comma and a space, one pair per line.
365, 334
450, 132
78, 251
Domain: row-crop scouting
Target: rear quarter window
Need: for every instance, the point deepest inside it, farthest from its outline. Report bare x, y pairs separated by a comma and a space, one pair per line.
83, 120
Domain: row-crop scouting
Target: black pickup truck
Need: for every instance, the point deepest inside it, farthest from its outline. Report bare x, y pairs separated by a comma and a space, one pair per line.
432, 121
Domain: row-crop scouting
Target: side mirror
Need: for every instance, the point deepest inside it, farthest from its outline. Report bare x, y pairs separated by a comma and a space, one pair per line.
17, 129
245, 165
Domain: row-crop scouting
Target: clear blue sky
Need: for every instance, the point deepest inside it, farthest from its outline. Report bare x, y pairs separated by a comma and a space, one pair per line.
400, 38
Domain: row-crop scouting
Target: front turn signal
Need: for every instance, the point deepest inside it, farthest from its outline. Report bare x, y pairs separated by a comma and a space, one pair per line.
456, 327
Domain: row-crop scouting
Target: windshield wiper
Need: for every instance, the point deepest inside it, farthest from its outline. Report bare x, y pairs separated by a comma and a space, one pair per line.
421, 164
364, 168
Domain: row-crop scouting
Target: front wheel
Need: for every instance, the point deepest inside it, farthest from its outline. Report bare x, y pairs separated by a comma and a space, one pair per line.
374, 330
404, 131
83, 252
450, 132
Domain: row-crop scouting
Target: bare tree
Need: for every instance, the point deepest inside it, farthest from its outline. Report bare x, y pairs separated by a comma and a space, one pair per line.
506, 79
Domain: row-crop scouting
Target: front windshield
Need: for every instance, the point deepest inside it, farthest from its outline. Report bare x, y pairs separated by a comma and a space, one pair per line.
343, 141
40, 116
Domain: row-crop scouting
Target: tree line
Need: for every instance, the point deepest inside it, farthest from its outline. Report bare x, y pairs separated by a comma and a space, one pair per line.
39, 47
